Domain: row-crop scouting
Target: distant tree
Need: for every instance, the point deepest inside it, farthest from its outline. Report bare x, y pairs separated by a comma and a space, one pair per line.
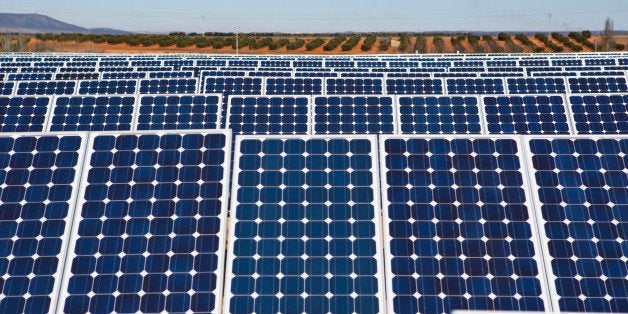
608, 35
421, 44
404, 42
315, 43
384, 44
586, 34
369, 42
439, 43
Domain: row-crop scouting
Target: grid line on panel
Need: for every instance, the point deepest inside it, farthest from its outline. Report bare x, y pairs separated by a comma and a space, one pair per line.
269, 114
597, 85
348, 86
179, 112
149, 229
458, 230
353, 115
107, 87
38, 187
438, 115
92, 113
525, 114
579, 185
46, 88
305, 226
536, 85
23, 113
294, 86
414, 86
482, 86
168, 86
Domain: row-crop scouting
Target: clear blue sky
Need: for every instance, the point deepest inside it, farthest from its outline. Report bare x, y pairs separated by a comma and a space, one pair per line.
329, 15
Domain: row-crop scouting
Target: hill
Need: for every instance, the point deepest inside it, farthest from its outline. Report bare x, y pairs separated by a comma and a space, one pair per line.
37, 23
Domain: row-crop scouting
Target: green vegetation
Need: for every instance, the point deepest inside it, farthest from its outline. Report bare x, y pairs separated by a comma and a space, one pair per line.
582, 38
474, 41
315, 43
456, 42
404, 43
334, 43
368, 43
278, 44
565, 41
351, 43
511, 46
384, 44
439, 43
554, 47
421, 44
528, 43
296, 44
494, 45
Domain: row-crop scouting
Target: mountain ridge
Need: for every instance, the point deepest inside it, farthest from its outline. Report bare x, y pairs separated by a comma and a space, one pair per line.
38, 23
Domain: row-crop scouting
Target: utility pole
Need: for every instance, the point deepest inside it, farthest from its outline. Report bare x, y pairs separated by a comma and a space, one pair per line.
549, 25
237, 30
203, 25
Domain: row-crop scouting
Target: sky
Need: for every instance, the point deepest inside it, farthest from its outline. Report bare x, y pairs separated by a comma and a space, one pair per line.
313, 16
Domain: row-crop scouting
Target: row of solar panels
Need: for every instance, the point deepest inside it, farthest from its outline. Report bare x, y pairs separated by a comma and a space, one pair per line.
137, 222
348, 114
320, 86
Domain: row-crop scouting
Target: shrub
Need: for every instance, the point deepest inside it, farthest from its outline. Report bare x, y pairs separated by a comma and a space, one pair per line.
495, 47
296, 44
565, 41
439, 44
404, 42
511, 46
368, 42
351, 42
334, 43
528, 43
456, 42
315, 43
421, 44
582, 39
554, 47
474, 41
278, 44
384, 44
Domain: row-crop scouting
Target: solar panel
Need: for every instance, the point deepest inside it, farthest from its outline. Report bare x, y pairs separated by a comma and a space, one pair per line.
107, 87
579, 186
269, 114
305, 229
458, 229
23, 114
234, 85
294, 86
598, 85
439, 115
39, 183
149, 230
46, 88
414, 86
542, 114
179, 112
353, 114
6, 88
76, 76
599, 114
29, 77
168, 86
93, 113
475, 86
536, 85
344, 86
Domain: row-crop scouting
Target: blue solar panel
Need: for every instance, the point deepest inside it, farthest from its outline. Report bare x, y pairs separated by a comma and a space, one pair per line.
536, 85
414, 86
46, 88
234, 85
269, 115
38, 184
29, 77
23, 114
353, 114
149, 229
580, 185
93, 113
458, 229
294, 86
6, 88
344, 86
599, 114
123, 75
305, 226
104, 87
439, 115
179, 112
475, 86
168, 86
598, 85
526, 115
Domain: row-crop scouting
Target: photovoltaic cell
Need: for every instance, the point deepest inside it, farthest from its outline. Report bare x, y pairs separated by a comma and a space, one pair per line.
269, 114
294, 86
525, 114
168, 86
104, 87
305, 229
92, 113
598, 84
458, 229
414, 86
353, 114
580, 186
39, 182
536, 85
475, 86
344, 86
46, 88
179, 112
23, 114
599, 114
439, 115
149, 230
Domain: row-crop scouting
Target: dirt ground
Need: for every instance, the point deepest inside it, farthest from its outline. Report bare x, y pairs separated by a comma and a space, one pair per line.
72, 46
